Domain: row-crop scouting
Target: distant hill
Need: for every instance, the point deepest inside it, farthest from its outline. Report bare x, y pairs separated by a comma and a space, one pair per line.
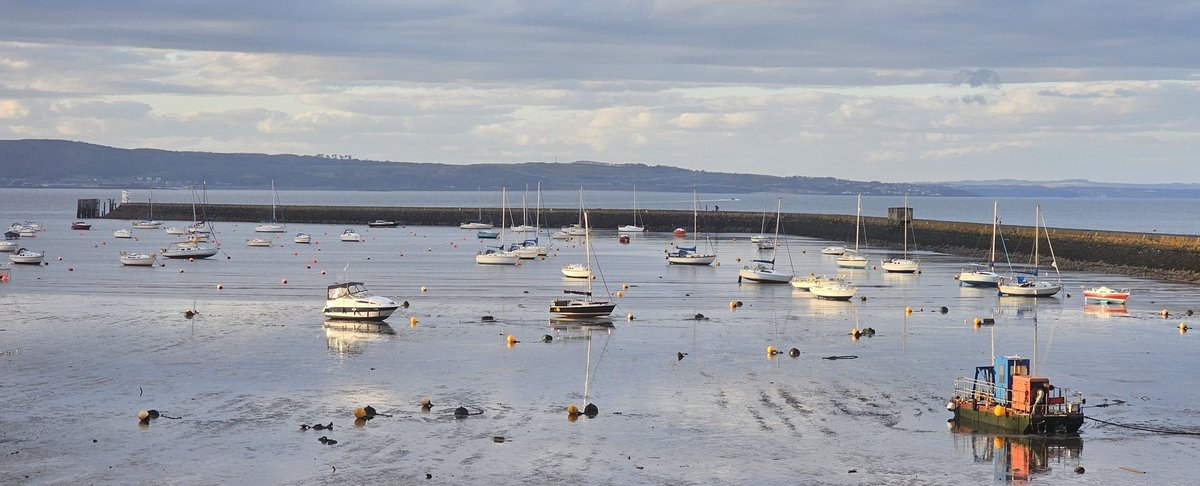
1074, 188
61, 163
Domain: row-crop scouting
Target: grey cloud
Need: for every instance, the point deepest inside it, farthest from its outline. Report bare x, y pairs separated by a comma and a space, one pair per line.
977, 78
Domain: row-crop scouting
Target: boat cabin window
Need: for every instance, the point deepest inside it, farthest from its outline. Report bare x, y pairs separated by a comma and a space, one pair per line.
337, 292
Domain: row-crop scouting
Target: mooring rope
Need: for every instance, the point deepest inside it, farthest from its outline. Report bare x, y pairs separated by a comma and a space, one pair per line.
1145, 428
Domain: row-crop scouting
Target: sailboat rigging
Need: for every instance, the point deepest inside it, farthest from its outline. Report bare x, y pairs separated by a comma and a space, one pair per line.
273, 226
685, 255
763, 271
903, 264
851, 258
1027, 284
635, 227
983, 274
584, 305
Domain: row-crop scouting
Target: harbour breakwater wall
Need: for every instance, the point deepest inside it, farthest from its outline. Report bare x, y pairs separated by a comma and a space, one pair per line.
1153, 255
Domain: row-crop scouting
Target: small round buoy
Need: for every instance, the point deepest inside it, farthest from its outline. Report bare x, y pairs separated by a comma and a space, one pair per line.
360, 413
590, 410
426, 403
1079, 470
771, 351
794, 352
698, 317
547, 338
738, 259
855, 333
461, 412
624, 286
572, 410
322, 272
999, 411
1183, 326
943, 309
412, 320
60, 259
511, 340
4, 278
308, 267
950, 406
219, 286
424, 289
144, 415
70, 269
283, 281
732, 305
629, 316
1165, 313
314, 260
1189, 312
190, 259
620, 293
295, 253
718, 264
180, 270
978, 322
908, 310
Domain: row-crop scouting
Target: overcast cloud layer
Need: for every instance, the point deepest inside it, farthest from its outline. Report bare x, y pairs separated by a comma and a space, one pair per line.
868, 90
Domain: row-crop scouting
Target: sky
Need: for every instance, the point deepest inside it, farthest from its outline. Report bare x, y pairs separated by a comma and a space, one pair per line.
912, 91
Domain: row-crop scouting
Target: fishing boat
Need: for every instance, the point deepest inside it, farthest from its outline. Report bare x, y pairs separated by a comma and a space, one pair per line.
258, 243
302, 238
851, 259
26, 256
497, 255
635, 227
902, 264
350, 235
134, 259
583, 304
273, 226
833, 289
1105, 295
351, 301
1007, 397
81, 225
688, 255
383, 223
983, 274
122, 233
764, 271
1028, 284
149, 222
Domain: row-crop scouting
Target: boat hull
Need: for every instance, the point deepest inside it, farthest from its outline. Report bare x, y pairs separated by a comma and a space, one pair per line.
834, 250
576, 270
1013, 422
1105, 296
1036, 289
497, 259
476, 226
383, 224
572, 309
898, 265
359, 313
978, 279
137, 260
26, 259
853, 262
270, 228
487, 235
691, 259
192, 252
630, 229
763, 276
81, 226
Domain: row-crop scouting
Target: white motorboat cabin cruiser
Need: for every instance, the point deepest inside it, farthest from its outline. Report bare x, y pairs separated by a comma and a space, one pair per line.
351, 301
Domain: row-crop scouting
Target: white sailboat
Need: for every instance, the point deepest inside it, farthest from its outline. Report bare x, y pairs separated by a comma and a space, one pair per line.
903, 264
635, 227
1028, 284
834, 289
685, 255
524, 227
764, 271
274, 226
134, 259
851, 258
533, 245
148, 223
584, 305
983, 274
478, 224
497, 255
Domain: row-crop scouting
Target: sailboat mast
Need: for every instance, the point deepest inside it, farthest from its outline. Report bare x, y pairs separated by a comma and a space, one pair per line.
537, 218
904, 215
695, 221
857, 221
1037, 217
503, 207
995, 222
273, 199
775, 248
587, 372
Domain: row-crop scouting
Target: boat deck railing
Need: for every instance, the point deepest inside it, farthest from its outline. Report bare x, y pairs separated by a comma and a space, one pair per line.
980, 392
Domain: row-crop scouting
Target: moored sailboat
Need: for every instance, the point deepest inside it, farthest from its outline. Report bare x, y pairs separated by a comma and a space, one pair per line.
851, 259
584, 304
689, 255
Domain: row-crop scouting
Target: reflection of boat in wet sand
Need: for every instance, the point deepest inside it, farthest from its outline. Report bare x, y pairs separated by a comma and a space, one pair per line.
351, 301
1006, 397
1016, 459
352, 337
587, 327
1105, 310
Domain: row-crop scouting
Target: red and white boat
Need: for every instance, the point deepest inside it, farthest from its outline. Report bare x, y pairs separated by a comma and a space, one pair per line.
1106, 295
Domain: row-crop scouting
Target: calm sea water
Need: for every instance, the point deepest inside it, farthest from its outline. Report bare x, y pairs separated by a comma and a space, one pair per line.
86, 343
1174, 216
